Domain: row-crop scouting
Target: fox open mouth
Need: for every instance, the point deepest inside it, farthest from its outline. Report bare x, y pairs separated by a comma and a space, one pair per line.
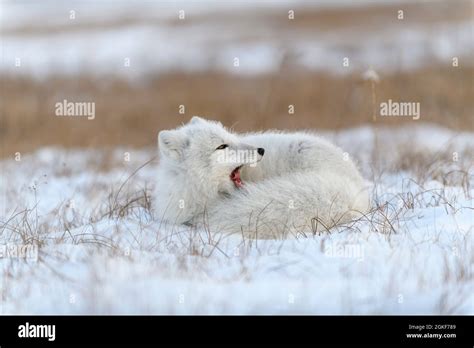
235, 177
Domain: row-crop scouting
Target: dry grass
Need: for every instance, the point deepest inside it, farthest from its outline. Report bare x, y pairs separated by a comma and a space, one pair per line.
428, 12
131, 114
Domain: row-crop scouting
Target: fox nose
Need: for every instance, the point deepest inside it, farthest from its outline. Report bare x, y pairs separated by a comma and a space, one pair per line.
261, 151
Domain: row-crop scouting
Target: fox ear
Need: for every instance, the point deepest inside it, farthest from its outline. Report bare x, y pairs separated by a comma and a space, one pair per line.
197, 120
172, 144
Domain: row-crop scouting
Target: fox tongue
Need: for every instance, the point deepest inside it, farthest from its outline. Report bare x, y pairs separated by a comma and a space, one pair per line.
235, 177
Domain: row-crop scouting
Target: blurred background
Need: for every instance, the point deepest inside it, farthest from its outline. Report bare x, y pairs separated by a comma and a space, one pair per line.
151, 65
81, 190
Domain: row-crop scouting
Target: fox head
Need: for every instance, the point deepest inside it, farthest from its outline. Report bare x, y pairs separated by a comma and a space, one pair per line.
210, 155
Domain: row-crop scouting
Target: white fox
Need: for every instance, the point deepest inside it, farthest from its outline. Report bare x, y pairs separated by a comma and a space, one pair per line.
260, 185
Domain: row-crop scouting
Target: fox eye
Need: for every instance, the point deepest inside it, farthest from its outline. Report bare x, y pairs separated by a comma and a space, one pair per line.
222, 147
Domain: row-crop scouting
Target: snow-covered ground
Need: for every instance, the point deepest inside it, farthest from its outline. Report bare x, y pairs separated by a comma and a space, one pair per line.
94, 245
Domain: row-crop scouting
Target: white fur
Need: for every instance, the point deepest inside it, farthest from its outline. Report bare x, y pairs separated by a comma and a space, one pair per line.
301, 184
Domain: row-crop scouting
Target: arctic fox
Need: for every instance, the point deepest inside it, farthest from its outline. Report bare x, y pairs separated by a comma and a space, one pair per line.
260, 185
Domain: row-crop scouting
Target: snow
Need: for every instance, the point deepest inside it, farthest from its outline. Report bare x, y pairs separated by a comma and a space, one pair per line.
90, 261
14, 14
101, 37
